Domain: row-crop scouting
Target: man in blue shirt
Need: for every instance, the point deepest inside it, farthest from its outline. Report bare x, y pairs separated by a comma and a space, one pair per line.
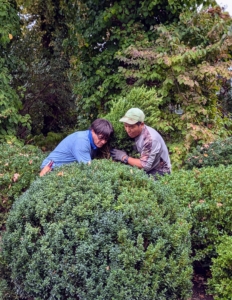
80, 146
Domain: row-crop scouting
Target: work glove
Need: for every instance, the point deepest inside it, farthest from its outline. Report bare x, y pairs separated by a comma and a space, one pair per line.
117, 154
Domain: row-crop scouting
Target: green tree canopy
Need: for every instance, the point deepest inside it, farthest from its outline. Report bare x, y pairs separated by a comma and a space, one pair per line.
47, 93
9, 100
100, 29
185, 66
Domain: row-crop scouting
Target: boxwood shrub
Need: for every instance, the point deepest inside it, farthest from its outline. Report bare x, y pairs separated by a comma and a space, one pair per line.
221, 282
104, 231
207, 193
213, 154
19, 166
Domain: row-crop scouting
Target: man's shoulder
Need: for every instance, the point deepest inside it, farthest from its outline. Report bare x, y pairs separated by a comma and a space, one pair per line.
78, 134
150, 129
75, 137
152, 132
146, 133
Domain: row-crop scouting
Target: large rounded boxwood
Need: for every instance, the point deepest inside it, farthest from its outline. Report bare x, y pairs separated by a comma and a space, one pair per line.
99, 231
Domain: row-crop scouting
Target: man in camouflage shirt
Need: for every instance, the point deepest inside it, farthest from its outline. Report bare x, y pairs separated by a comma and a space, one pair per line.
154, 157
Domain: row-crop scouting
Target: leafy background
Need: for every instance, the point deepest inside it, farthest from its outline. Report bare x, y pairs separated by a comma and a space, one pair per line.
66, 62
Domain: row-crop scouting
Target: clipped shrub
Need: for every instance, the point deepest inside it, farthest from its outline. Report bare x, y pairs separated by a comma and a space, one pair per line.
221, 282
213, 154
6, 286
104, 231
19, 166
207, 193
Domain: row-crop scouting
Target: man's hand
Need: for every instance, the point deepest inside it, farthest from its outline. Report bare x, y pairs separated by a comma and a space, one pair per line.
117, 154
45, 170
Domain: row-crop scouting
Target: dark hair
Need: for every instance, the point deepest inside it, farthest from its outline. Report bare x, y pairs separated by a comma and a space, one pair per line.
102, 127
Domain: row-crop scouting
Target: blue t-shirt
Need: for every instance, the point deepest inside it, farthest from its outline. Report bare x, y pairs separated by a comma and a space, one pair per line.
78, 146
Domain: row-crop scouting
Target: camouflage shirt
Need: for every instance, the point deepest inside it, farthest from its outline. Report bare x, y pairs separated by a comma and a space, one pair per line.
153, 151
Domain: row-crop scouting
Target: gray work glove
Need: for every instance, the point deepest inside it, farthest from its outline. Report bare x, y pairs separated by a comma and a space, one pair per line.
117, 154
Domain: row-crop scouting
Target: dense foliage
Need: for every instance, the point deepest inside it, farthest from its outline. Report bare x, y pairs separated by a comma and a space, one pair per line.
207, 193
104, 231
19, 166
182, 67
41, 76
212, 154
9, 100
100, 50
221, 282
64, 63
102, 30
142, 97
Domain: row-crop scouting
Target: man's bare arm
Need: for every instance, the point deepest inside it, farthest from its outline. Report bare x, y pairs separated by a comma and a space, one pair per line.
134, 162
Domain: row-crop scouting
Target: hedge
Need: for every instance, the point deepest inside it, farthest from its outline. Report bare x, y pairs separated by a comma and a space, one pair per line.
207, 193
19, 166
221, 282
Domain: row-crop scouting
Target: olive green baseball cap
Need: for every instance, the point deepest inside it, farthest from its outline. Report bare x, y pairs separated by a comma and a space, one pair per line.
133, 116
